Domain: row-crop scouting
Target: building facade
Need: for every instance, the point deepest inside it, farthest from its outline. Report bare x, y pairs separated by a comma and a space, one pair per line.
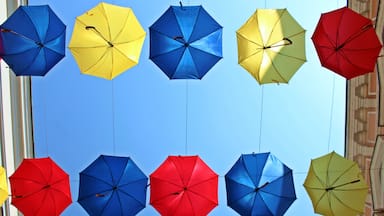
15, 114
365, 116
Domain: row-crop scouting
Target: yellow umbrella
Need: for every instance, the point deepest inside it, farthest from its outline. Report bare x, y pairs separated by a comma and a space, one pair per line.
336, 186
3, 186
107, 40
271, 46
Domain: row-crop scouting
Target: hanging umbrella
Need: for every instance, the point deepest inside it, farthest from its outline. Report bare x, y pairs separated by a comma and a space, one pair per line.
346, 43
183, 185
112, 186
33, 40
107, 40
260, 184
185, 42
3, 186
271, 46
40, 187
336, 186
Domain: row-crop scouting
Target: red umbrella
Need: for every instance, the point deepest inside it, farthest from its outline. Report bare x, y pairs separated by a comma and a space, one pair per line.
40, 187
346, 42
183, 185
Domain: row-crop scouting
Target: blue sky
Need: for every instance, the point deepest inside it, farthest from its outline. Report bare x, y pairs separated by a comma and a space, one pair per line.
144, 115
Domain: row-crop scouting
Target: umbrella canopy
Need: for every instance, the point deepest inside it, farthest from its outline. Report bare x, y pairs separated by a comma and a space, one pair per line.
33, 40
183, 185
40, 187
3, 186
185, 42
336, 186
107, 40
260, 184
271, 46
346, 42
112, 186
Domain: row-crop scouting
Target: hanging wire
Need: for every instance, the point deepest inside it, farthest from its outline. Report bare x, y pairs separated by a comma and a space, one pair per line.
186, 116
261, 115
45, 122
113, 118
331, 113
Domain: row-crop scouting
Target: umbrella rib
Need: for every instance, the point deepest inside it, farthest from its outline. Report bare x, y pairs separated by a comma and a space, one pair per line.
34, 29
96, 62
42, 188
201, 182
277, 71
251, 41
98, 194
279, 53
200, 195
41, 204
87, 27
318, 201
278, 195
349, 61
204, 51
63, 32
109, 29
327, 171
181, 44
133, 197
270, 211
342, 173
340, 200
24, 51
121, 30
248, 173
114, 181
132, 182
186, 182
98, 179
168, 181
362, 30
274, 26
104, 207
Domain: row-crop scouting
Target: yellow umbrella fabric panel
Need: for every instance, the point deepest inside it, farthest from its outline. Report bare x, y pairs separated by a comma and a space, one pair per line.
271, 46
4, 193
336, 186
107, 40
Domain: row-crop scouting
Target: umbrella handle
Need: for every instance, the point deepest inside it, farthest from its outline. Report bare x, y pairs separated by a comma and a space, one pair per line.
334, 187
98, 33
289, 42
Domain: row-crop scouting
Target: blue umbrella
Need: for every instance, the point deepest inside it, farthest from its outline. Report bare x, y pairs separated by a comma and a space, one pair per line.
33, 40
185, 42
112, 186
259, 184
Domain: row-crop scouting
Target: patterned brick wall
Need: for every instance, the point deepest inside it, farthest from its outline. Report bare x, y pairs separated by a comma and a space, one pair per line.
365, 116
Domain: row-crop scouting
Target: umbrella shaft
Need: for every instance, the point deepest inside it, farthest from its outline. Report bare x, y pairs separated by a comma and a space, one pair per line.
363, 29
334, 187
21, 35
